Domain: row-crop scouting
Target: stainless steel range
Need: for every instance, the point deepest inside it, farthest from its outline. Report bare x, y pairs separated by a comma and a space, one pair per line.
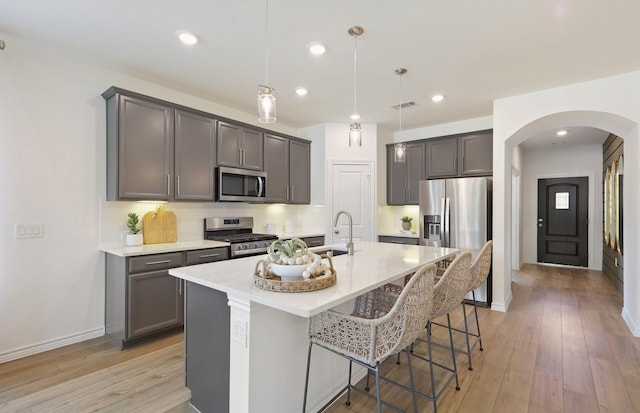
238, 232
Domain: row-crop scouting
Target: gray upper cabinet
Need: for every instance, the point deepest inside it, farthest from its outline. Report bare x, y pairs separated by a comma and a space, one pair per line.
276, 165
194, 156
476, 154
461, 155
443, 158
299, 172
287, 164
403, 177
139, 148
239, 147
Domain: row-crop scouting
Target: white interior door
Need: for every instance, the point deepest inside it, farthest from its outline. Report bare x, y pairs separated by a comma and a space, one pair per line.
352, 189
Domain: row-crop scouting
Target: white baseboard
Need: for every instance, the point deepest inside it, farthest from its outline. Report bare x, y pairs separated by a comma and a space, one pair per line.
502, 307
50, 345
635, 331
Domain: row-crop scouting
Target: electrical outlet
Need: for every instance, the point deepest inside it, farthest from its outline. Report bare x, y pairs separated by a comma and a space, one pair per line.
239, 331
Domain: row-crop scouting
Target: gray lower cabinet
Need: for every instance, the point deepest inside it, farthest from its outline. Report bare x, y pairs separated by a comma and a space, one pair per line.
239, 147
287, 164
403, 177
398, 240
141, 299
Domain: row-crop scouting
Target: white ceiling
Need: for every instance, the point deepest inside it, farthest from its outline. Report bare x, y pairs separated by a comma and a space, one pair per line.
471, 51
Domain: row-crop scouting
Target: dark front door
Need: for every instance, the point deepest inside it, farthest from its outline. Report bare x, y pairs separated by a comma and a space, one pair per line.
563, 221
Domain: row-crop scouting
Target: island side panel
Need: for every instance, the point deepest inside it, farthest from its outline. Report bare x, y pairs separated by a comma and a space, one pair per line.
207, 348
270, 362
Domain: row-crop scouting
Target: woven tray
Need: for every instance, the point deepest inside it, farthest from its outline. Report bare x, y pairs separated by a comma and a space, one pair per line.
264, 279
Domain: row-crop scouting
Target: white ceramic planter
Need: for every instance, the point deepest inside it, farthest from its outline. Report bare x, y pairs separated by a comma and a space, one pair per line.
133, 240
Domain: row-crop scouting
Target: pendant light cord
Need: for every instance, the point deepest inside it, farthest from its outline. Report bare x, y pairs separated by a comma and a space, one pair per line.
266, 44
355, 76
400, 133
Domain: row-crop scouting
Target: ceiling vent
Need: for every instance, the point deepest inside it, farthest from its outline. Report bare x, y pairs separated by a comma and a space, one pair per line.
404, 105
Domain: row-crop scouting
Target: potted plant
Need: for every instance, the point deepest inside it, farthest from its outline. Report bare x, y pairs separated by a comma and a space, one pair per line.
406, 222
134, 237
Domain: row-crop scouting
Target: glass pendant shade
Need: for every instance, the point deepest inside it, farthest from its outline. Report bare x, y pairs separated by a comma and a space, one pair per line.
266, 104
355, 134
400, 152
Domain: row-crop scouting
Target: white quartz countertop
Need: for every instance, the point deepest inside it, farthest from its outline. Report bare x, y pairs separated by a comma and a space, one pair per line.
146, 249
372, 265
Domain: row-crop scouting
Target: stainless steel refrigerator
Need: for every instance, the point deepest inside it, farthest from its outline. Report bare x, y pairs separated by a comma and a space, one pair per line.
456, 213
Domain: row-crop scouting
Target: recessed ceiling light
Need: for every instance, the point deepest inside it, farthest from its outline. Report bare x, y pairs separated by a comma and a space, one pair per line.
437, 98
187, 37
301, 91
317, 49
561, 132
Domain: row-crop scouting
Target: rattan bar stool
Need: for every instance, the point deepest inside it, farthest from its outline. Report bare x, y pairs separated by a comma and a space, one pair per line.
367, 342
447, 295
480, 269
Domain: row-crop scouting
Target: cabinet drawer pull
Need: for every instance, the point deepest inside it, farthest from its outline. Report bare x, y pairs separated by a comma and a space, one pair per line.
158, 262
210, 255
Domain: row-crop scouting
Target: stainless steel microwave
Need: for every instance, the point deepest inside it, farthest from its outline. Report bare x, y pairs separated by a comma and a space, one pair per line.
240, 185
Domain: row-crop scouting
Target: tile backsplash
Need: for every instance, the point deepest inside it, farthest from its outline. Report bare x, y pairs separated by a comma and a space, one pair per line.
190, 217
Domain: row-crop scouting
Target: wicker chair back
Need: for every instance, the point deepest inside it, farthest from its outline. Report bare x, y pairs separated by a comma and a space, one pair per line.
452, 286
372, 340
481, 266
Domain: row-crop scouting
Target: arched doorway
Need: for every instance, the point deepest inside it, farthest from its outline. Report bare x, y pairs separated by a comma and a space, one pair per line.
510, 129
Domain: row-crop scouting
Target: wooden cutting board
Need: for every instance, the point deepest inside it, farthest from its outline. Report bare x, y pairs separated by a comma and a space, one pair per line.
159, 226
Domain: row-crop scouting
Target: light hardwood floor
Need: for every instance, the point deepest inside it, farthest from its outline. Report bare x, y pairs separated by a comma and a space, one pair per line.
561, 347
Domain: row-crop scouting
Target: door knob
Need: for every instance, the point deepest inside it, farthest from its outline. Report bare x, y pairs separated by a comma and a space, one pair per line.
336, 231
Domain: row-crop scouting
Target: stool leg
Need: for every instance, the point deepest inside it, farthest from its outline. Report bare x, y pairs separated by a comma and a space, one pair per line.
413, 387
475, 310
453, 352
433, 383
306, 381
348, 402
466, 333
368, 376
378, 387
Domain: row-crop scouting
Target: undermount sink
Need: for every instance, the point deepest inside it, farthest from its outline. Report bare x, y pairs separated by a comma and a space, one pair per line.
330, 251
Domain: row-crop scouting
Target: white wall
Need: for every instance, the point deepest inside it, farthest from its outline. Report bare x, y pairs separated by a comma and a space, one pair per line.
53, 171
561, 162
611, 104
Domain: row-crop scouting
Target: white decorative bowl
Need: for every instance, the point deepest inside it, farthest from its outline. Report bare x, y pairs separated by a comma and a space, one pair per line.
288, 272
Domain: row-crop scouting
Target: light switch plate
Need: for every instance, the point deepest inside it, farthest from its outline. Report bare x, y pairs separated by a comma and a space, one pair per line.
29, 230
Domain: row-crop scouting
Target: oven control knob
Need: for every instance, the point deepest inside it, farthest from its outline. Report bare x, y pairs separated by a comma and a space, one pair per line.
241, 246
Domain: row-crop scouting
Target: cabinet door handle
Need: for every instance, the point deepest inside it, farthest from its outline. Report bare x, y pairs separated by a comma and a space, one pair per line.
180, 287
178, 184
168, 185
292, 196
158, 262
210, 255
287, 193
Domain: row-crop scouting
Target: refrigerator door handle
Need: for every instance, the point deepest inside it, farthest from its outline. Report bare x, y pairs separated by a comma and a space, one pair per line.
447, 216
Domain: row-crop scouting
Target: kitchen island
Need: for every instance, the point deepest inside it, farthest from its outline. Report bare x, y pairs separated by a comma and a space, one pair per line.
246, 348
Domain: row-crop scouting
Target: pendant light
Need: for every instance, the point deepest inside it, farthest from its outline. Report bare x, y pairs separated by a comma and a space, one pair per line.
266, 94
400, 149
355, 130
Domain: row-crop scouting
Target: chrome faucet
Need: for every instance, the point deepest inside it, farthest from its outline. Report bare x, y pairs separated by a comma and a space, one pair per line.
350, 218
